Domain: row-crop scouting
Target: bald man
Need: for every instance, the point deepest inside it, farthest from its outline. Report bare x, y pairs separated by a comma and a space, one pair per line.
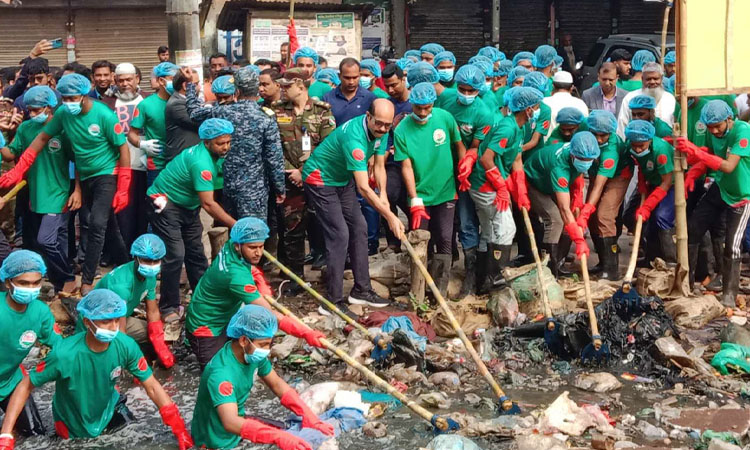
330, 175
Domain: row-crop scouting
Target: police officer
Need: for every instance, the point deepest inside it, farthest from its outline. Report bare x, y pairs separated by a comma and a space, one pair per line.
303, 123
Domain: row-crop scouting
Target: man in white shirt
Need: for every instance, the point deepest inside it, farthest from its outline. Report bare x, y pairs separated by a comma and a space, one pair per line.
561, 96
652, 86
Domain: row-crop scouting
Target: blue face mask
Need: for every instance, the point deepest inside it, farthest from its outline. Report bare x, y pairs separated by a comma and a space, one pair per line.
169, 87
446, 74
257, 356
149, 271
104, 335
24, 295
419, 119
582, 166
466, 99
73, 107
535, 116
40, 118
638, 155
365, 82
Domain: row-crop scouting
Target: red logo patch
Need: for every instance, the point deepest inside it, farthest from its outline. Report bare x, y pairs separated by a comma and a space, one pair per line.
545, 125
142, 364
503, 142
250, 288
206, 175
118, 129
136, 113
41, 366
563, 182
56, 328
555, 141
61, 430
608, 163
226, 388
743, 143
203, 331
661, 159
314, 179
358, 154
486, 129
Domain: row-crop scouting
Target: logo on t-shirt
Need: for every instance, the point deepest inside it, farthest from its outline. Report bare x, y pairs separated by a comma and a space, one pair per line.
467, 128
650, 165
609, 163
94, 130
206, 175
661, 159
115, 374
438, 136
54, 145
226, 388
700, 128
358, 154
27, 339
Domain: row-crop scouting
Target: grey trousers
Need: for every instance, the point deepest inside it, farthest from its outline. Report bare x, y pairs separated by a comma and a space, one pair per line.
545, 207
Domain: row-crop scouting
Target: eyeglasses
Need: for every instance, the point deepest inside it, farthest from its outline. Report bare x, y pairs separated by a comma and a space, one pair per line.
381, 124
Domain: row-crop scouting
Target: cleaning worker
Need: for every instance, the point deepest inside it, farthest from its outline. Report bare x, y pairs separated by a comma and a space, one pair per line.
500, 80
445, 63
369, 71
224, 89
429, 50
536, 131
306, 58
643, 107
544, 62
233, 279
326, 80
86, 369
640, 58
486, 93
569, 122
24, 320
524, 59
220, 419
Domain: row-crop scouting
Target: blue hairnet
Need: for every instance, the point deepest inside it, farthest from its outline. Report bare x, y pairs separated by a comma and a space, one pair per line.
306, 52
487, 66
642, 102
39, 97
544, 56
166, 69
101, 304
520, 98
20, 262
518, 71
149, 246
558, 60
639, 131
405, 63
536, 80
668, 83
431, 48
601, 121
413, 54
521, 56
422, 72
492, 53
371, 65
504, 68
253, 322
670, 57
569, 116
584, 145
254, 68
422, 94
224, 85
249, 229
715, 111
329, 75
470, 75
213, 128
640, 58
444, 56
73, 84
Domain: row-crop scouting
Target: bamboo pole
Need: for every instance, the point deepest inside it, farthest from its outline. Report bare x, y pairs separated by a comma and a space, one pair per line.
680, 163
665, 26
12, 193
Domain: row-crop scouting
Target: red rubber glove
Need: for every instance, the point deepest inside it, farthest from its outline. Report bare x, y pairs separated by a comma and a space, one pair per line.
651, 202
697, 154
291, 30
291, 401
502, 199
156, 336
693, 174
576, 201
417, 212
16, 174
465, 167
576, 235
260, 281
518, 178
7, 442
260, 433
171, 417
122, 195
300, 330
586, 212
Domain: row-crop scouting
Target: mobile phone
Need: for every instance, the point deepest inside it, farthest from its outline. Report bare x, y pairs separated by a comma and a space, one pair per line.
57, 43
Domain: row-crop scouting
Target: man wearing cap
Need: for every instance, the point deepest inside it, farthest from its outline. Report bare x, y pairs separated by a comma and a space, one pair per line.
224, 89
325, 81
544, 62
536, 130
24, 320
562, 97
429, 50
306, 58
652, 87
445, 63
642, 108
86, 369
184, 187
220, 419
569, 121
303, 123
100, 151
369, 73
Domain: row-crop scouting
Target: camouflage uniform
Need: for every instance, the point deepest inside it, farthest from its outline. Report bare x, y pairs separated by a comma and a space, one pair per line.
318, 122
255, 158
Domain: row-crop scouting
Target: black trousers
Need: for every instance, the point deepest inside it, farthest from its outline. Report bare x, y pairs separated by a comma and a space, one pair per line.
440, 226
133, 220
292, 225
97, 206
709, 208
29, 423
205, 347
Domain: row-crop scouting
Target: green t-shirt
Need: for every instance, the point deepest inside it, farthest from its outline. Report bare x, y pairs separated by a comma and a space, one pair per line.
430, 149
734, 186
444, 98
474, 121
505, 141
227, 285
124, 282
225, 380
556, 136
612, 160
149, 117
86, 381
318, 89
499, 96
379, 93
662, 128
19, 331
491, 102
657, 162
630, 85
344, 151
550, 169
194, 170
49, 177
697, 132
95, 137
540, 125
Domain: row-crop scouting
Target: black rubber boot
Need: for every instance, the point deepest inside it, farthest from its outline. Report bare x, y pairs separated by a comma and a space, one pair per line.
668, 246
610, 257
469, 286
498, 257
554, 264
442, 272
481, 266
716, 284
563, 248
693, 250
731, 277
597, 269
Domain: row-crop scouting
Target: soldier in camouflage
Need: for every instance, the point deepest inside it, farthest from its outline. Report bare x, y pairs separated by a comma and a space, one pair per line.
255, 160
303, 122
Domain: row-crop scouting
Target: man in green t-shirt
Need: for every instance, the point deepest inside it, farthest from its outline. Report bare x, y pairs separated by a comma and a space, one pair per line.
330, 175
427, 143
86, 369
643, 107
102, 159
325, 81
185, 186
220, 419
49, 186
24, 320
569, 121
369, 72
445, 64
537, 129
728, 154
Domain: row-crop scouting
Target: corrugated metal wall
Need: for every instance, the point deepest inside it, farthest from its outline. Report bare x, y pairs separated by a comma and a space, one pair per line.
585, 20
523, 25
459, 26
21, 29
637, 16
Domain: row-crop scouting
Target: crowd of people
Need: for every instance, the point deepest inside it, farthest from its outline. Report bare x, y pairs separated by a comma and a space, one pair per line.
311, 163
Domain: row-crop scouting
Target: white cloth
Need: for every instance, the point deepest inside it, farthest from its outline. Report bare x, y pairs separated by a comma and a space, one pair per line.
664, 110
497, 227
741, 103
124, 111
562, 100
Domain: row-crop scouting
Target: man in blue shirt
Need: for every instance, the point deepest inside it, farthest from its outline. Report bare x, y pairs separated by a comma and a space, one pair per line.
348, 100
